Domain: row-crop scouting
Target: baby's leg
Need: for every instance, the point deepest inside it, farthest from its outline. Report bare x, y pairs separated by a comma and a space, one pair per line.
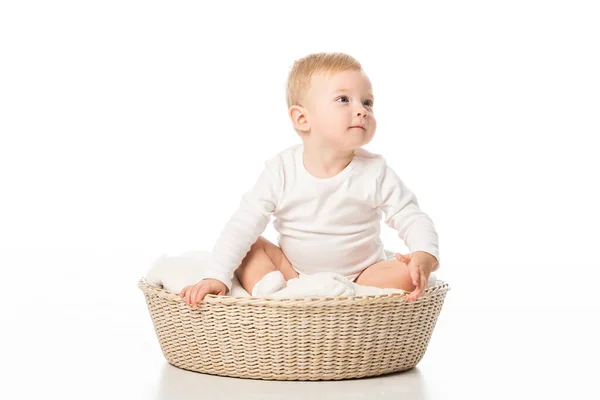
263, 257
391, 273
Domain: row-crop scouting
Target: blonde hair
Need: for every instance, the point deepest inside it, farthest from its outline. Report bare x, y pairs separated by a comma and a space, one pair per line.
303, 69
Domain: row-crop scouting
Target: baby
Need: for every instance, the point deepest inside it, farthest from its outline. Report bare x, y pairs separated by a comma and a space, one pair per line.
327, 196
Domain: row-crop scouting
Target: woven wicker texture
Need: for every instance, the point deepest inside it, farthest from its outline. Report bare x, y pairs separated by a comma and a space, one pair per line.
295, 339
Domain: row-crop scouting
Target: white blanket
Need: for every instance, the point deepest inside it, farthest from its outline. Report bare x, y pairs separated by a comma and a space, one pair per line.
176, 272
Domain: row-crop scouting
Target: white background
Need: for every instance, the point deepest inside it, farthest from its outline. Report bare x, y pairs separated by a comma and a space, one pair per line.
132, 129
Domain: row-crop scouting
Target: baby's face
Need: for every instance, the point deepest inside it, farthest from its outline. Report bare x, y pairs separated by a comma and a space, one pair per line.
340, 110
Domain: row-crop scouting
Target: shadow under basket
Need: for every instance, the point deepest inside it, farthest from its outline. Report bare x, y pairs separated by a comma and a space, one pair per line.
295, 339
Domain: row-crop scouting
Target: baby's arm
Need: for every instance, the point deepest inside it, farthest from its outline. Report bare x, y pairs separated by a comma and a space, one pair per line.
402, 213
244, 227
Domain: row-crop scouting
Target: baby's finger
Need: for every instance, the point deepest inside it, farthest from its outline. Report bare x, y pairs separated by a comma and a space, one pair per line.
183, 291
200, 295
420, 289
194, 292
423, 282
189, 295
414, 274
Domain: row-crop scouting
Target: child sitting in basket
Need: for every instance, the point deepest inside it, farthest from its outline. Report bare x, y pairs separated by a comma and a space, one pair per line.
327, 196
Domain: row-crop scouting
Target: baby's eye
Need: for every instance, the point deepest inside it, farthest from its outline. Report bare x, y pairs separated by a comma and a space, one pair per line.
343, 97
369, 103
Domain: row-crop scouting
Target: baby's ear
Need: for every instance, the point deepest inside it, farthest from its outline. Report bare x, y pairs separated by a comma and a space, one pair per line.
298, 117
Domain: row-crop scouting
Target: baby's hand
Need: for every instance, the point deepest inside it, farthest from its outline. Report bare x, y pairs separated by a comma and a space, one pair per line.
420, 264
195, 293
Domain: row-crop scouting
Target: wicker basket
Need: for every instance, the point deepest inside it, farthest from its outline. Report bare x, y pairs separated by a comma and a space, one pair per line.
295, 339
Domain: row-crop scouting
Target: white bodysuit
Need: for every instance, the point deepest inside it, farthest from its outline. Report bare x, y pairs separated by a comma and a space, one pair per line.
330, 224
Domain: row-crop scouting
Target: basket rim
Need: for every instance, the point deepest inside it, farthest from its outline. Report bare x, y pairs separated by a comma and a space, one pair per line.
439, 287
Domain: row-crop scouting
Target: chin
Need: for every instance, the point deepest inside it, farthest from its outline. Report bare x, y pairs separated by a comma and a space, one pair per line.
357, 143
354, 146
365, 142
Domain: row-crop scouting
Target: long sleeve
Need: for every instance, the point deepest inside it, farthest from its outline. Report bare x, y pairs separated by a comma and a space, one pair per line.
403, 214
244, 227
